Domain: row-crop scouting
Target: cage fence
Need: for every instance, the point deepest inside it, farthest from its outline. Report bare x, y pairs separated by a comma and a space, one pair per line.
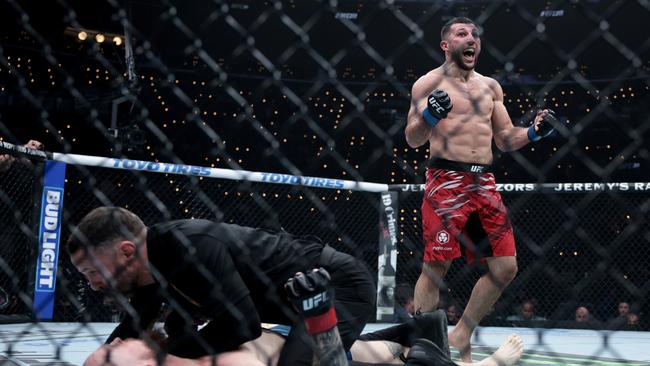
322, 89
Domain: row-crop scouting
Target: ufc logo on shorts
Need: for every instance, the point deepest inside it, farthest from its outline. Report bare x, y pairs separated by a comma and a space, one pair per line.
435, 105
442, 237
313, 302
476, 169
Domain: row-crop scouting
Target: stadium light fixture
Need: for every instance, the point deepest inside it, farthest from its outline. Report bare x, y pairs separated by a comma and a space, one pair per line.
85, 34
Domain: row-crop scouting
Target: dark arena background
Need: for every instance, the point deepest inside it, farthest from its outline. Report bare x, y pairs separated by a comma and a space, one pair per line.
271, 114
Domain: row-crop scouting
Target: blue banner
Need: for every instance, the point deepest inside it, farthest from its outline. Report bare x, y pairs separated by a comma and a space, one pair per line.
48, 239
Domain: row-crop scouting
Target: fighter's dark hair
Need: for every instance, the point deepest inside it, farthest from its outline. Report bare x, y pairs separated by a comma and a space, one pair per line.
447, 27
104, 226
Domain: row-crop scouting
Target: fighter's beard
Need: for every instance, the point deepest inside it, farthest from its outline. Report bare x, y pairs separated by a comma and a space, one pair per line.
116, 298
457, 56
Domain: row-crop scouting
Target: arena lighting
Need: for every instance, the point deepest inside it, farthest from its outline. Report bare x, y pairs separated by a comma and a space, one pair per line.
84, 34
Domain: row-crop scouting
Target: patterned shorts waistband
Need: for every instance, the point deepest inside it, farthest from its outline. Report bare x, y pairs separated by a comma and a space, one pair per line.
457, 165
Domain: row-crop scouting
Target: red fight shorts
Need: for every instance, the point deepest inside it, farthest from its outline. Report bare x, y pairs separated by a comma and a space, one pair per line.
463, 215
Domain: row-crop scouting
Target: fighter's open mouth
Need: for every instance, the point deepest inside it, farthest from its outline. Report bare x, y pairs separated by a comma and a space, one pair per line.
470, 52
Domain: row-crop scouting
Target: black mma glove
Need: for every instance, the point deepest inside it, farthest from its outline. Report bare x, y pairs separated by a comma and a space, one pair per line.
545, 127
312, 296
438, 106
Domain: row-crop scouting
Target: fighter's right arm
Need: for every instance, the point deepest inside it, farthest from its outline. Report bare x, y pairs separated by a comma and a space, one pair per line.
417, 130
313, 298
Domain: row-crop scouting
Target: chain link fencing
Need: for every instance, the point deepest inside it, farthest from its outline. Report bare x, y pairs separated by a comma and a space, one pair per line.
344, 219
17, 189
322, 88
573, 250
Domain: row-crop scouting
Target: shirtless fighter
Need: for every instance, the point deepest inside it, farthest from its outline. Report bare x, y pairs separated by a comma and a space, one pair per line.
458, 112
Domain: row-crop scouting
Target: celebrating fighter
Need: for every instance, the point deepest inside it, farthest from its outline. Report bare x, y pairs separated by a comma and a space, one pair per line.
459, 111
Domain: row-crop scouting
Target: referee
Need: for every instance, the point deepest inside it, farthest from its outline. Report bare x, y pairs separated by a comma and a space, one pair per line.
227, 276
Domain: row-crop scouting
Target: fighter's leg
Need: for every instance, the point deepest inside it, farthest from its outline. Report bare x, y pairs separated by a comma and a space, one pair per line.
378, 351
507, 355
427, 288
425, 353
501, 271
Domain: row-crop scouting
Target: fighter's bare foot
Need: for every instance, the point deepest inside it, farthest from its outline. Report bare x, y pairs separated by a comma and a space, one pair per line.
462, 344
509, 353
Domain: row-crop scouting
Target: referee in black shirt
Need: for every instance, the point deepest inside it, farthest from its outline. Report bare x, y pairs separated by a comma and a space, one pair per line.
227, 275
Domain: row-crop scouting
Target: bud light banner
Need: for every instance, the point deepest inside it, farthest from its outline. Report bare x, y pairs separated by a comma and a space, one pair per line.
388, 231
48, 240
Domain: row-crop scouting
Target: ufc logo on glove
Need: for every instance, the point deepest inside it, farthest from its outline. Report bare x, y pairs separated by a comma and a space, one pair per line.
313, 302
434, 103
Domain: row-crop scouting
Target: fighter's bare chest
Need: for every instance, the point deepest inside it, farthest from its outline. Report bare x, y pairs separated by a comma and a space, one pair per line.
471, 98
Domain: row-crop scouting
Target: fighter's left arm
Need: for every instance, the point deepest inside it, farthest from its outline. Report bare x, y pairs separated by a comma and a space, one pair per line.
506, 136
